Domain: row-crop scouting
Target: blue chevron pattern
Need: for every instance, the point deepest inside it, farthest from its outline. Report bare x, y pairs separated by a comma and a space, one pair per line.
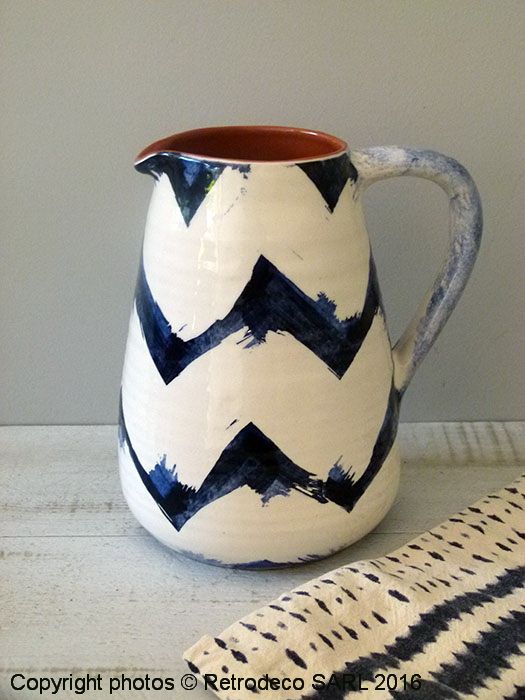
269, 302
252, 459
191, 179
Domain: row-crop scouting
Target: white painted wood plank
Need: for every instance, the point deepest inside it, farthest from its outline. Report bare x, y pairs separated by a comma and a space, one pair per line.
478, 444
61, 481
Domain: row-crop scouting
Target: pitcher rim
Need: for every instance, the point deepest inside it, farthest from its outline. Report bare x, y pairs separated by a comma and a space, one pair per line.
275, 140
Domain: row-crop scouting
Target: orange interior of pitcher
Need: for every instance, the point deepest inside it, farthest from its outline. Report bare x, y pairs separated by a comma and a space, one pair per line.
249, 143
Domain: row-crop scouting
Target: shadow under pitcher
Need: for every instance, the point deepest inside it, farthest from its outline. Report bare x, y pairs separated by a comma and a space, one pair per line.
260, 393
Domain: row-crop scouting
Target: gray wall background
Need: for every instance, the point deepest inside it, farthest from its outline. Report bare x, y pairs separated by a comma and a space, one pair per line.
85, 85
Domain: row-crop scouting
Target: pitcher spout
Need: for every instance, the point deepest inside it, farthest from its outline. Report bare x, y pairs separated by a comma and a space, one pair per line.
191, 178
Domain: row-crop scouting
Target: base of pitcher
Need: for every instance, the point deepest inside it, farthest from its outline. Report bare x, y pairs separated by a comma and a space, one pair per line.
257, 565
264, 564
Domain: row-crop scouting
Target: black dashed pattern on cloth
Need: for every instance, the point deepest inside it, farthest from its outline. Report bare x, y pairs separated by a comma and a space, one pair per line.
449, 606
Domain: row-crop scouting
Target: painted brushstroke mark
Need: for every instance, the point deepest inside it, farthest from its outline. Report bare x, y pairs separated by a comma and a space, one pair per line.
268, 302
330, 177
257, 564
427, 630
252, 459
191, 179
341, 486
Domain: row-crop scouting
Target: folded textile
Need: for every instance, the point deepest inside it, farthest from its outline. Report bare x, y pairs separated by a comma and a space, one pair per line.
441, 617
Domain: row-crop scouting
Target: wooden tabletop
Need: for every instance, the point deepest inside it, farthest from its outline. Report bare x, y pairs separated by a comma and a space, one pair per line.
84, 589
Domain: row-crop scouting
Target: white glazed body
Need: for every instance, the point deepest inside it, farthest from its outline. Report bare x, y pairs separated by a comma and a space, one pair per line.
195, 273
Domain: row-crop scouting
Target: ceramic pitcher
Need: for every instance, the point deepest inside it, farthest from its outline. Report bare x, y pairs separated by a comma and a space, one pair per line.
260, 392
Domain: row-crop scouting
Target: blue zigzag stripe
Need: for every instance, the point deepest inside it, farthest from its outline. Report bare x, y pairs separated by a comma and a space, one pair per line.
192, 178
252, 459
268, 302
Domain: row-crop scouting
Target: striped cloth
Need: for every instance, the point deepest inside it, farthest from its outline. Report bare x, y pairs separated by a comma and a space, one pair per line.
441, 617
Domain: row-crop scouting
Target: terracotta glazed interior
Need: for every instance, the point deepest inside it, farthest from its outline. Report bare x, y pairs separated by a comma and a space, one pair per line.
249, 143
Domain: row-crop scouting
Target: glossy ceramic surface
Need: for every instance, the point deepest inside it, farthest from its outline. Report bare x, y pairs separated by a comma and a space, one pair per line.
260, 394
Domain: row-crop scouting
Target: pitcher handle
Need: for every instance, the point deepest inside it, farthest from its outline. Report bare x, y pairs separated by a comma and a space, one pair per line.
466, 222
